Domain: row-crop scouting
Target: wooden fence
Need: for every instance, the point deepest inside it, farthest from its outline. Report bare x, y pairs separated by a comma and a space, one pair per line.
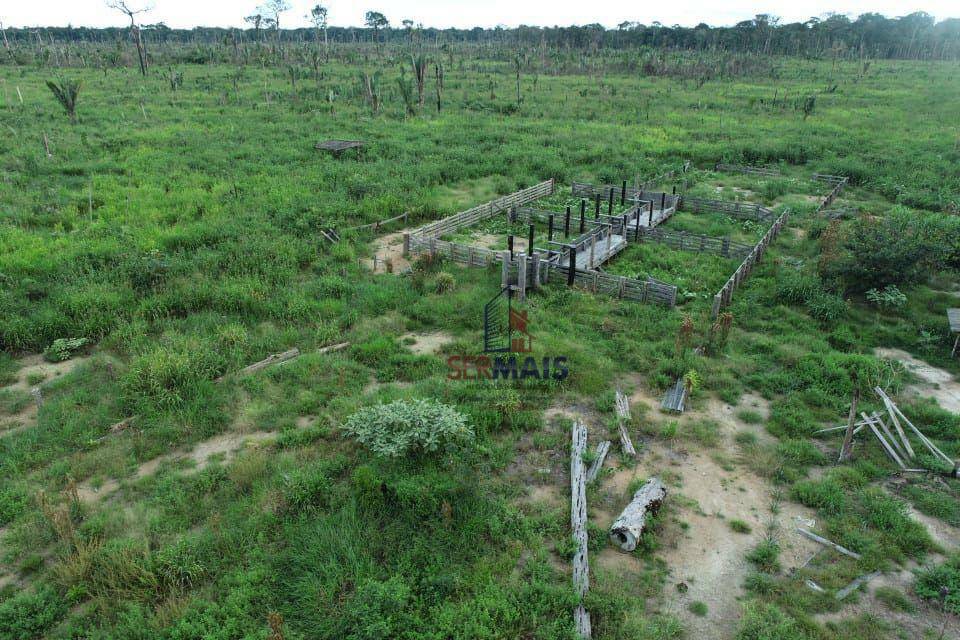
484, 211
838, 188
824, 177
682, 241
743, 210
539, 271
739, 168
379, 223
723, 297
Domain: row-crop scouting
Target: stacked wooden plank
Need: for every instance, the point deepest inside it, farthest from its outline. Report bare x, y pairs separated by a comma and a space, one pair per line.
675, 398
723, 297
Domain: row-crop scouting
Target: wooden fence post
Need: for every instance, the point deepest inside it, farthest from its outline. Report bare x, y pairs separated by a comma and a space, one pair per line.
406, 245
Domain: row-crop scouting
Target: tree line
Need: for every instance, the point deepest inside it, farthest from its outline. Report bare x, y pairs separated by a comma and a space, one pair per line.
914, 36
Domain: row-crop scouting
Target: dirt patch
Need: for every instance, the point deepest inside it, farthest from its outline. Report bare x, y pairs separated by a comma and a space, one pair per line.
934, 382
35, 366
428, 342
223, 447
388, 254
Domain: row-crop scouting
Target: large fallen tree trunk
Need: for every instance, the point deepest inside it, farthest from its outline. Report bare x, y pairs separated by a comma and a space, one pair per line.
627, 529
578, 522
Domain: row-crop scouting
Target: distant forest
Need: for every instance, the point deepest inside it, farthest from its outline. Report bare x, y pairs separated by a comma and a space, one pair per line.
916, 36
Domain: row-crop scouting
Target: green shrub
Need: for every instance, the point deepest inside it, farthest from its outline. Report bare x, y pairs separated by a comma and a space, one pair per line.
889, 297
29, 614
409, 428
443, 282
824, 495
64, 348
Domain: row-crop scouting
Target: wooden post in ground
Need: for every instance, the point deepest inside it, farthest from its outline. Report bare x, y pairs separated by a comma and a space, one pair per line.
566, 223
530, 240
596, 208
535, 264
572, 265
610, 201
623, 193
510, 245
406, 245
522, 275
550, 228
848, 436
505, 269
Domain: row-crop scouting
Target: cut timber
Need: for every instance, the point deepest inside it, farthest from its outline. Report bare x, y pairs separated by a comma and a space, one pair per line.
623, 414
855, 584
578, 522
334, 347
888, 403
827, 543
602, 450
627, 529
270, 360
878, 421
848, 436
887, 447
813, 586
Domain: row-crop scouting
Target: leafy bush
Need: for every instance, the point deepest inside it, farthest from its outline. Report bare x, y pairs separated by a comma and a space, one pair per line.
444, 282
408, 428
889, 297
873, 253
30, 613
64, 348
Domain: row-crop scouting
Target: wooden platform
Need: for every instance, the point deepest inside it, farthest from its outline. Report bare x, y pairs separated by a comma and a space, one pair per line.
601, 254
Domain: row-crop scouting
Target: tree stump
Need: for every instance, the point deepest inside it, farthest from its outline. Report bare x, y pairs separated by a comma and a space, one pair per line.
627, 529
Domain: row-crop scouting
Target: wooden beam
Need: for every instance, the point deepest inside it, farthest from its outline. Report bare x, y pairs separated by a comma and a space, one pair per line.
602, 450
578, 522
827, 543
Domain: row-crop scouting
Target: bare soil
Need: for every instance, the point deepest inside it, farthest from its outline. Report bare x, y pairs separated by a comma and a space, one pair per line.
427, 342
934, 382
389, 249
34, 366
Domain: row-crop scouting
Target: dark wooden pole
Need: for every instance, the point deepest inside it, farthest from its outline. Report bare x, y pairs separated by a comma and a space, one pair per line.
583, 222
848, 436
583, 207
623, 193
510, 245
663, 201
596, 209
572, 266
530, 241
610, 201
566, 223
636, 233
550, 227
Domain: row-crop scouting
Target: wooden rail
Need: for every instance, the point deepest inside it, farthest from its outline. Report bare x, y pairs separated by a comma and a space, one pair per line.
743, 210
739, 168
838, 188
723, 297
484, 211
682, 241
376, 225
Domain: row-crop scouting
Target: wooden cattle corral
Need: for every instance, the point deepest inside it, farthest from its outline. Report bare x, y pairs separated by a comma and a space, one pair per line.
773, 172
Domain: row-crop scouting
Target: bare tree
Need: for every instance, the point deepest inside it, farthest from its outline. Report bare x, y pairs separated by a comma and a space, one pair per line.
318, 16
273, 9
135, 35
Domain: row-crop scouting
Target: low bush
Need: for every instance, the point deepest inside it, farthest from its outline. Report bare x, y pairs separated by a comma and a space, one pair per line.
931, 583
409, 428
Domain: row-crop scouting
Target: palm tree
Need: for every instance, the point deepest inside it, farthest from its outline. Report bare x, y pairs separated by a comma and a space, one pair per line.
66, 93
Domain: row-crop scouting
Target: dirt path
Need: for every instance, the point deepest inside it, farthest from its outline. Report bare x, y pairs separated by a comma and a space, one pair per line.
934, 382
225, 445
34, 372
426, 342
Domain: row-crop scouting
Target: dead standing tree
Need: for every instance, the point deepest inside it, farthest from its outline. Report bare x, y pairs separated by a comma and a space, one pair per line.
135, 33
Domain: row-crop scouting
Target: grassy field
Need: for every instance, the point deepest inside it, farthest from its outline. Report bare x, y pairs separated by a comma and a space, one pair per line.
176, 232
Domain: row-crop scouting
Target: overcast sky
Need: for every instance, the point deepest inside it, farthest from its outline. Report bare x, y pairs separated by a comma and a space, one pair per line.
460, 13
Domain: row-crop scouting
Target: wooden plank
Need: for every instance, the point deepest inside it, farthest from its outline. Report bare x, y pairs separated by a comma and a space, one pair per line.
855, 584
578, 523
602, 450
887, 447
811, 535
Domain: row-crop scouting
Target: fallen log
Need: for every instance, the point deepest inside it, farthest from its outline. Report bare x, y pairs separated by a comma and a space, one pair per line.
334, 347
855, 584
630, 525
602, 449
827, 543
578, 522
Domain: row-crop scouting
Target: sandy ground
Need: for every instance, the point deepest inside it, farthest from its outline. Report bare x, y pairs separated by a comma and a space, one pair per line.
427, 342
934, 382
